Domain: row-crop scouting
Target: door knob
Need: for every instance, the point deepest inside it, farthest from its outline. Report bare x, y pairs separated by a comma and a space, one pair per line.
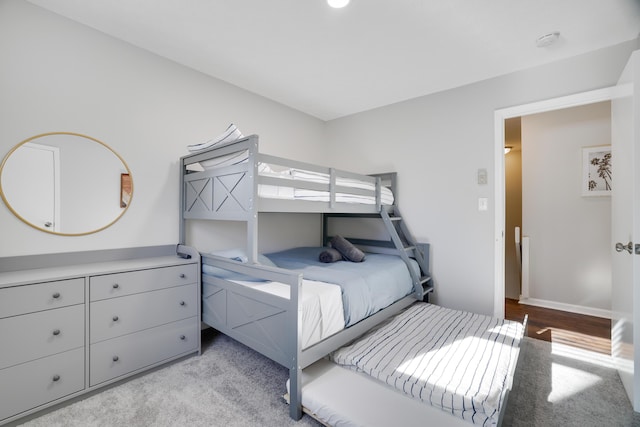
622, 247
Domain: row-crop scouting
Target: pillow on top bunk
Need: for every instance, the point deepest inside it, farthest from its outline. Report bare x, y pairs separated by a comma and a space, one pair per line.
347, 249
240, 256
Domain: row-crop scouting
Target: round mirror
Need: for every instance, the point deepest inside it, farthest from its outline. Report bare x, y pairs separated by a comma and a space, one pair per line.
65, 183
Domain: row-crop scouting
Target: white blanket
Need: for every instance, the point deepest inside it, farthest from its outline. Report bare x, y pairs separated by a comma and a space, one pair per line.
320, 302
290, 193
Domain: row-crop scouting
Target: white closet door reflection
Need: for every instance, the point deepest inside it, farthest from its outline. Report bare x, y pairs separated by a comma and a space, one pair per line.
34, 184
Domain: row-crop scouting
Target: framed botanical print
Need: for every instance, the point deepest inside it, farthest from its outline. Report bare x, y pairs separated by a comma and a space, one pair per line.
596, 171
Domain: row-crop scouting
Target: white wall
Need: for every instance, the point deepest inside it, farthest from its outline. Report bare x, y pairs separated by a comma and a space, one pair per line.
437, 143
570, 235
57, 75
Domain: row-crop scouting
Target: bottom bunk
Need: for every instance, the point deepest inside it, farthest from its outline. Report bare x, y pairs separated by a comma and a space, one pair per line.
446, 366
296, 321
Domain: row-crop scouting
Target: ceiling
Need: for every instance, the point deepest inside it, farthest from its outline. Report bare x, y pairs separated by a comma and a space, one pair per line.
334, 62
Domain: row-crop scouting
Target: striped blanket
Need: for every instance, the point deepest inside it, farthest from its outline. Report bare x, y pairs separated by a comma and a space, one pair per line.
458, 361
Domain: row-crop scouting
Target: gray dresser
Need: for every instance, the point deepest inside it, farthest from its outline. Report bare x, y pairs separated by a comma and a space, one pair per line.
70, 329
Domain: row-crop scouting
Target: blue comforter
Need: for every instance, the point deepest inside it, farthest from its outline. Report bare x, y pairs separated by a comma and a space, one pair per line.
367, 286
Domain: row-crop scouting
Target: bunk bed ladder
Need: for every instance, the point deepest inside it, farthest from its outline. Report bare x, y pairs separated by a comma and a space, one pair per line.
407, 247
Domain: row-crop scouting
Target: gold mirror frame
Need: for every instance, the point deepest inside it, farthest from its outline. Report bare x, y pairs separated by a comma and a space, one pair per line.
125, 181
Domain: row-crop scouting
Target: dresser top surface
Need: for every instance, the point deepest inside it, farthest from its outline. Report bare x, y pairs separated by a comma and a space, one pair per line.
48, 274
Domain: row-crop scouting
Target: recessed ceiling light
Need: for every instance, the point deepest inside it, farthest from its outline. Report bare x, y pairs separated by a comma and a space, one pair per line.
547, 39
338, 3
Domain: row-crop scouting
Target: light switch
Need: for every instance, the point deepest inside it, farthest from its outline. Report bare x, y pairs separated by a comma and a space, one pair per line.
482, 176
483, 204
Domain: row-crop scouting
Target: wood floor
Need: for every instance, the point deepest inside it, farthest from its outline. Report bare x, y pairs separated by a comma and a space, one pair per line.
577, 330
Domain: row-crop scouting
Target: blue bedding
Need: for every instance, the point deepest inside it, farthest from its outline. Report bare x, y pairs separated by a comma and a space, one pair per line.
367, 286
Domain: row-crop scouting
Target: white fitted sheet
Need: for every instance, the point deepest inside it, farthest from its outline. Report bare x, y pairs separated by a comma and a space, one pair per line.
321, 304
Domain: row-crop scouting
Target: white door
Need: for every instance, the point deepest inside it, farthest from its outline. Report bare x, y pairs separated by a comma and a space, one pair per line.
625, 202
31, 184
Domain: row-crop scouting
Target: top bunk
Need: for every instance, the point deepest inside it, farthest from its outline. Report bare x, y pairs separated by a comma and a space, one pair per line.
234, 181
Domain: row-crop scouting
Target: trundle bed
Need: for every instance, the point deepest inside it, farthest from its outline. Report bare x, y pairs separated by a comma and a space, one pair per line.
289, 306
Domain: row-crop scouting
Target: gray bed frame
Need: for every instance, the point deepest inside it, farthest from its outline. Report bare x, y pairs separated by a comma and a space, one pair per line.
267, 323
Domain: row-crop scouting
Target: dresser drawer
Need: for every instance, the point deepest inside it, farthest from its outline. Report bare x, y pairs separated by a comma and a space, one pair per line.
118, 316
35, 335
119, 356
132, 282
32, 384
41, 296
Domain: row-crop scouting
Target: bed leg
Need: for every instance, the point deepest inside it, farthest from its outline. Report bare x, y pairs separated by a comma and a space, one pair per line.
295, 393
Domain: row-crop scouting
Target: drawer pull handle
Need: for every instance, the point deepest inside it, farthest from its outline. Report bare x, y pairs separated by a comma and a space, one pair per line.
56, 377
116, 358
56, 332
182, 303
115, 318
182, 275
56, 295
182, 337
116, 286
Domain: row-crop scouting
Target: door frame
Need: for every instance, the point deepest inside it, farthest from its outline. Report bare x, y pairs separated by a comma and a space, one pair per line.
500, 115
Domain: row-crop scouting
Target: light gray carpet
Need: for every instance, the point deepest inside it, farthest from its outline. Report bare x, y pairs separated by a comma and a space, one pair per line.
560, 390
230, 385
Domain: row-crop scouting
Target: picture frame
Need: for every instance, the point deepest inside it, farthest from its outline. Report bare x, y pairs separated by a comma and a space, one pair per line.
596, 171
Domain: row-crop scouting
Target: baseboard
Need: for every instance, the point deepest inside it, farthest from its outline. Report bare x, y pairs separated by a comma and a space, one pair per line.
572, 308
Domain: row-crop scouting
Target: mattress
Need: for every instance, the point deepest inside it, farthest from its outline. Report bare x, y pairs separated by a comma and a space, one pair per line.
459, 362
320, 303
344, 398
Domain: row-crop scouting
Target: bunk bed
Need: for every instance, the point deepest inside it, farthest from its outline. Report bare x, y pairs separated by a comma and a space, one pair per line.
256, 299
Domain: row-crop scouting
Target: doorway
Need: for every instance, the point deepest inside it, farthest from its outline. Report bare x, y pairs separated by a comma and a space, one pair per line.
500, 117
567, 231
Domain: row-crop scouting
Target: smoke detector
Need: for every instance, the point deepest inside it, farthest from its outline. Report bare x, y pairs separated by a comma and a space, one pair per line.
547, 39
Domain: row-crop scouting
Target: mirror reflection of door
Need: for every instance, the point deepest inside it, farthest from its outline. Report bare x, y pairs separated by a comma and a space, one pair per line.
34, 187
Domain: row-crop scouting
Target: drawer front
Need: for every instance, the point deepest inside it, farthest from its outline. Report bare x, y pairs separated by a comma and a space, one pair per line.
118, 316
36, 335
41, 296
133, 282
116, 357
44, 380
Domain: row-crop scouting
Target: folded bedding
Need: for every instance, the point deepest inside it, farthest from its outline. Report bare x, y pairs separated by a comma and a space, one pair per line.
367, 286
232, 133
458, 361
